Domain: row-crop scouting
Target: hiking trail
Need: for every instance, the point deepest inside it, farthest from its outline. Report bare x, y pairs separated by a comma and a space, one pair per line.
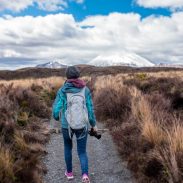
105, 165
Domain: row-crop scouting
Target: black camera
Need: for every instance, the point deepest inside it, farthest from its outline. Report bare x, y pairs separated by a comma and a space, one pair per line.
94, 134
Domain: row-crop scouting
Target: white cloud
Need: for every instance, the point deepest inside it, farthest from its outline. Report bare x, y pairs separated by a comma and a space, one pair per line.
16, 5
172, 4
51, 5
159, 39
47, 5
9, 53
78, 1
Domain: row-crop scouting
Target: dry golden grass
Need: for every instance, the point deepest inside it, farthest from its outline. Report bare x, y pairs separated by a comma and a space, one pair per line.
140, 107
170, 164
153, 132
6, 164
102, 81
142, 111
170, 74
160, 74
175, 136
113, 82
45, 82
20, 142
168, 155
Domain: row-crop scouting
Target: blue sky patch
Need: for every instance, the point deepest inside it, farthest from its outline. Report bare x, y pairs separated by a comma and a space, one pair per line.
93, 7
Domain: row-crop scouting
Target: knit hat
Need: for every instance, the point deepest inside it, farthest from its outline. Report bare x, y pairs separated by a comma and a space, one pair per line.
72, 72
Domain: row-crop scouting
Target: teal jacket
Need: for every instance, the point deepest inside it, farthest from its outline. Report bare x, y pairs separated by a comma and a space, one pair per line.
60, 104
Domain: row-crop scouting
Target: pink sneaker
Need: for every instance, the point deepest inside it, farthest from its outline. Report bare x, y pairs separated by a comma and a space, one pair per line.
85, 179
69, 175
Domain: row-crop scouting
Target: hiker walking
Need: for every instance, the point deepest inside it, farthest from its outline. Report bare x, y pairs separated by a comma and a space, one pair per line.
74, 104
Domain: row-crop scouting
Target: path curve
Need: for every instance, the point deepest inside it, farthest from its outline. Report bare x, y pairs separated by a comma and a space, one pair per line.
105, 165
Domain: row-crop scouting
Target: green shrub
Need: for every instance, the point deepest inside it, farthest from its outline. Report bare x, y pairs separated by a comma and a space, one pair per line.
141, 76
22, 118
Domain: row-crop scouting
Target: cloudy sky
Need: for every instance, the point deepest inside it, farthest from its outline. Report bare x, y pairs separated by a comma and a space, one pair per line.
77, 31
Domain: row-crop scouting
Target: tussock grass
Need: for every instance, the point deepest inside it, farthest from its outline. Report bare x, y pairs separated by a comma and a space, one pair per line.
170, 154
6, 165
144, 115
175, 136
143, 111
20, 143
168, 158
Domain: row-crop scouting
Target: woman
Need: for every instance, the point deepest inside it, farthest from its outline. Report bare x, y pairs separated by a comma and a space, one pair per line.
73, 85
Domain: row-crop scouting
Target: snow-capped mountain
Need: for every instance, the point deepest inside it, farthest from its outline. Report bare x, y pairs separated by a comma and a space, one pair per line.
52, 65
121, 59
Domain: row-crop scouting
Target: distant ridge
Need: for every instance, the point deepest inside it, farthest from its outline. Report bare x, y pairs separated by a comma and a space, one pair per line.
35, 72
52, 65
170, 65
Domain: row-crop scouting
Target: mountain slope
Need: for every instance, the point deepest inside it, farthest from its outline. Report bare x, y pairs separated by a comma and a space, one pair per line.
51, 65
122, 59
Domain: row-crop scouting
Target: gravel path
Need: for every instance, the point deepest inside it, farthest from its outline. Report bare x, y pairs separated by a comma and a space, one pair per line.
105, 165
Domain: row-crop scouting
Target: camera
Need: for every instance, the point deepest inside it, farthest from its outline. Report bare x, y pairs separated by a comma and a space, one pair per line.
94, 134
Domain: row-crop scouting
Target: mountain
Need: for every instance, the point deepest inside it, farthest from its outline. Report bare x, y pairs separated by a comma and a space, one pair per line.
52, 65
121, 59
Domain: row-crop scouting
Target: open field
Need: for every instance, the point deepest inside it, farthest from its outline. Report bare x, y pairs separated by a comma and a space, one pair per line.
86, 70
143, 110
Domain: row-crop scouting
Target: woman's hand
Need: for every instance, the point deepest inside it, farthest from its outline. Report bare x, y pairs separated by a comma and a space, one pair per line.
95, 129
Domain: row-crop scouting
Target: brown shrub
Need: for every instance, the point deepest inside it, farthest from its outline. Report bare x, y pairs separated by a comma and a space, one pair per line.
143, 126
7, 131
112, 103
21, 132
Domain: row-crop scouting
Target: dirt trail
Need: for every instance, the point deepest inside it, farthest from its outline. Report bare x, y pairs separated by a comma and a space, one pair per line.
105, 165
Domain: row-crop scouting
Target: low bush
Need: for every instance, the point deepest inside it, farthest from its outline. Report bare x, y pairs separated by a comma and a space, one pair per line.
111, 104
